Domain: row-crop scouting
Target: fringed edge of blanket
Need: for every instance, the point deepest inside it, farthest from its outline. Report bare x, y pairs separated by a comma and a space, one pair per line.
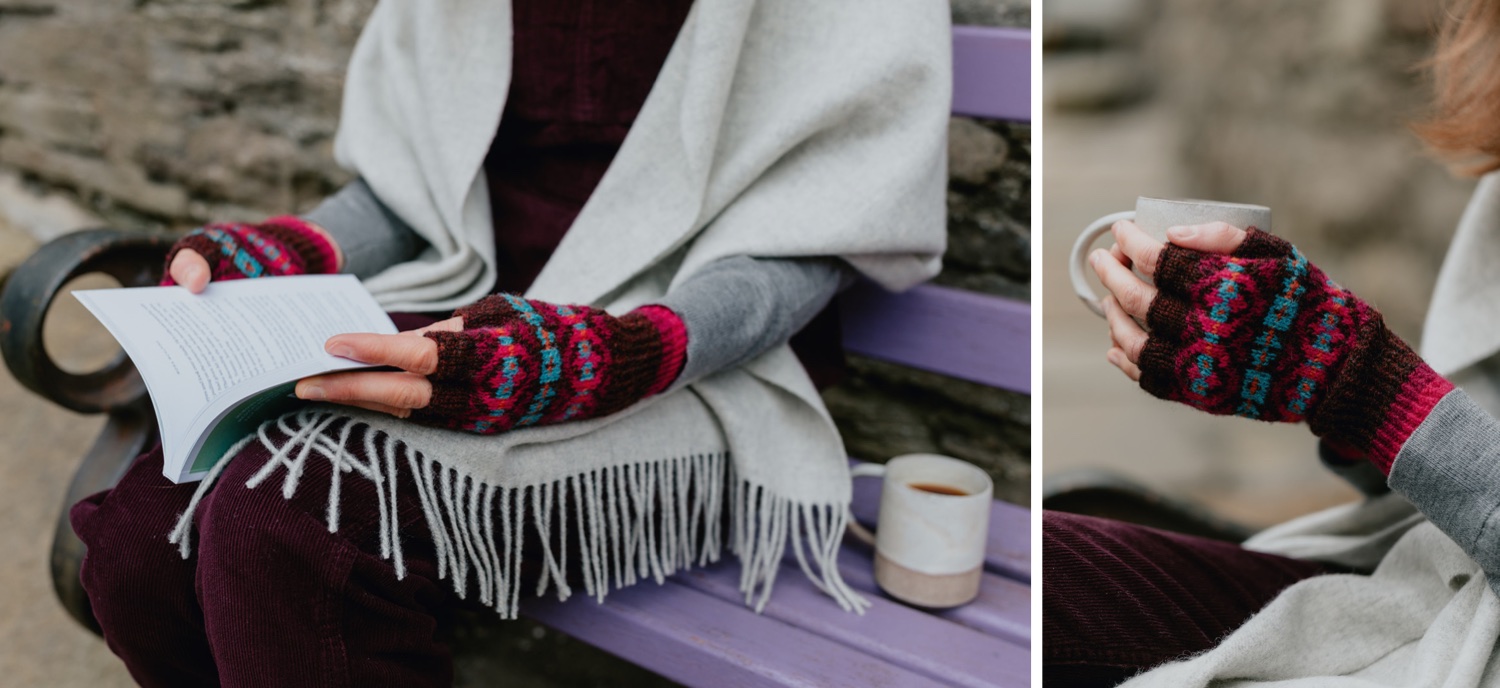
625, 532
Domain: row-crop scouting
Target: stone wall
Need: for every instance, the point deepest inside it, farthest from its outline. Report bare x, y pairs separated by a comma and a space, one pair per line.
166, 113
162, 114
885, 410
1304, 107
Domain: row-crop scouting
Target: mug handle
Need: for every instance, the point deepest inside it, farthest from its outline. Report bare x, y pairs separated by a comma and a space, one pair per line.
864, 470
1078, 261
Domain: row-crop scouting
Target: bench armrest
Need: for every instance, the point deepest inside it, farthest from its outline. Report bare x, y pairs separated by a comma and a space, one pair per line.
133, 258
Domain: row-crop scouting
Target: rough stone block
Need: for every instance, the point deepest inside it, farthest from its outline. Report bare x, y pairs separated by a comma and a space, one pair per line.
50, 117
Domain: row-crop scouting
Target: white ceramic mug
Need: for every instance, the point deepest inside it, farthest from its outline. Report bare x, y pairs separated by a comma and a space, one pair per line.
934, 518
1154, 216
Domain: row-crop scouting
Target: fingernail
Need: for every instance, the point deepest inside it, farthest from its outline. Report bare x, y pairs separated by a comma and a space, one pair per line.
337, 348
1095, 256
1111, 356
311, 393
1182, 232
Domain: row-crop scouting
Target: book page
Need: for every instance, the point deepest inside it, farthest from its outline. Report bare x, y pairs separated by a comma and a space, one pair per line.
200, 354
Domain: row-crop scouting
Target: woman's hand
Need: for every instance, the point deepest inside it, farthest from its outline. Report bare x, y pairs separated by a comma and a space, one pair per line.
506, 362
224, 251
1129, 298
1241, 323
395, 392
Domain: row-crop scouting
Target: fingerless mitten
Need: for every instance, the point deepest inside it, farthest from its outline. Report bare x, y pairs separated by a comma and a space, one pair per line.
283, 245
520, 363
1263, 333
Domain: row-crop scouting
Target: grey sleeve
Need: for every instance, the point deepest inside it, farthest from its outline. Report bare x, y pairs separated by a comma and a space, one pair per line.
370, 235
1450, 469
738, 308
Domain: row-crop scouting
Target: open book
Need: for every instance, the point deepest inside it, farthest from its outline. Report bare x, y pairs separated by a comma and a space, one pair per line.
220, 362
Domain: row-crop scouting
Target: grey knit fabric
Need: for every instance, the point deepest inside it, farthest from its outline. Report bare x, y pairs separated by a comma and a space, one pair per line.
371, 237
1450, 469
738, 308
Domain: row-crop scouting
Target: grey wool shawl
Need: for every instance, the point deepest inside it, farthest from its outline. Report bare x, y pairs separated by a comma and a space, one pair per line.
1427, 615
776, 128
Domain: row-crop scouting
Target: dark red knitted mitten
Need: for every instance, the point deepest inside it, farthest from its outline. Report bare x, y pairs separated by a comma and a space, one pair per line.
1263, 333
283, 245
520, 363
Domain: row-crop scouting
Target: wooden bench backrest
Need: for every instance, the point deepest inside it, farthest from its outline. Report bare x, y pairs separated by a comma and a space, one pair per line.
975, 337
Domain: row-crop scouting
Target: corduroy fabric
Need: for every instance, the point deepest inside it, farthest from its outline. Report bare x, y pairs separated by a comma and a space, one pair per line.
282, 245
1263, 333
1119, 598
270, 596
519, 363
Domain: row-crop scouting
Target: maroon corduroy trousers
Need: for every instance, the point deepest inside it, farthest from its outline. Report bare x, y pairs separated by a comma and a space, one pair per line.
1118, 598
268, 597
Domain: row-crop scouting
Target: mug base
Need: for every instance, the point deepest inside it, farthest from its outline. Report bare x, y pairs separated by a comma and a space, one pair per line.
935, 591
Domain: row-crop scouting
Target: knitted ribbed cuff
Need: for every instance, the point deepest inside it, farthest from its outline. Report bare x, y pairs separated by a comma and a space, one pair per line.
636, 353
318, 254
673, 346
1383, 392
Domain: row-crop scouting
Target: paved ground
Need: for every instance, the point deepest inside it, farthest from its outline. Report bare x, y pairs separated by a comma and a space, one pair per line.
39, 644
1256, 473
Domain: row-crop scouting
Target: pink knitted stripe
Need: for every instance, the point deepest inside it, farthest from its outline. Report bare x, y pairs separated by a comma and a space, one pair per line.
673, 346
1422, 391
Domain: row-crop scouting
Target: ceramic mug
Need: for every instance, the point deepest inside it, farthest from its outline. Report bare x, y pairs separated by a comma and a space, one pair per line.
934, 518
1154, 216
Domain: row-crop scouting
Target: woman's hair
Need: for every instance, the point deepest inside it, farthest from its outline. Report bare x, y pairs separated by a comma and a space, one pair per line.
1465, 123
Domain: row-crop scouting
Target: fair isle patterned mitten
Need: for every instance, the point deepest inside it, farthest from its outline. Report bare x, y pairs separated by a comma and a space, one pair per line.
1263, 333
283, 245
520, 363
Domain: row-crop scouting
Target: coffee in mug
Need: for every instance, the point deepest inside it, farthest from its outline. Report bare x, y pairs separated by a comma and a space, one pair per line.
934, 520
1154, 216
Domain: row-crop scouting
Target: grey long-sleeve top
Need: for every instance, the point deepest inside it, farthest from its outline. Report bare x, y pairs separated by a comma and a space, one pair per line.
1450, 470
734, 309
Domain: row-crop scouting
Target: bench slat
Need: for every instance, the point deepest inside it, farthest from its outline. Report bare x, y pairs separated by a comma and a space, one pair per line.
890, 631
1008, 549
992, 72
1002, 610
695, 639
971, 336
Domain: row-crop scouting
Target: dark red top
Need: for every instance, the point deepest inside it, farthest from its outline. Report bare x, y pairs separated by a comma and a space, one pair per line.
582, 71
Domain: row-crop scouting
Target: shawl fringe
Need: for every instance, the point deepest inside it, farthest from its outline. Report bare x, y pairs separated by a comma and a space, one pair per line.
627, 531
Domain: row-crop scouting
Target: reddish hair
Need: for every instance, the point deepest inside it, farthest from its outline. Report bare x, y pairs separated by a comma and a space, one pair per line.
1464, 126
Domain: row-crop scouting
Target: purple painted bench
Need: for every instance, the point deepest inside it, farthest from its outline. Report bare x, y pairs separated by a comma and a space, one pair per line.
695, 628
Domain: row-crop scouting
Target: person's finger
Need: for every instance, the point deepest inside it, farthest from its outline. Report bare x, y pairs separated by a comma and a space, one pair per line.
453, 324
1126, 334
394, 390
407, 351
190, 270
1117, 357
1141, 248
1214, 237
1133, 294
379, 408
1119, 254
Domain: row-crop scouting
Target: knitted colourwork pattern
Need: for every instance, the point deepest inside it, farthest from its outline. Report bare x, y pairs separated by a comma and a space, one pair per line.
520, 363
1263, 333
283, 245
